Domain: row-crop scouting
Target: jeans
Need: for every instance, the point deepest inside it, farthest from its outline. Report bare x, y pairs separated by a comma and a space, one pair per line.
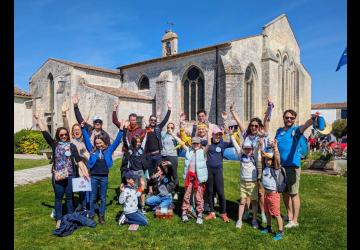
96, 181
174, 162
153, 161
60, 188
84, 199
156, 200
136, 218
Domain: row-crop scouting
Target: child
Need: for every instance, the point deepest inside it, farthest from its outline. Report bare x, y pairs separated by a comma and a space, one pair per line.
129, 197
248, 179
99, 163
162, 185
136, 162
195, 177
272, 195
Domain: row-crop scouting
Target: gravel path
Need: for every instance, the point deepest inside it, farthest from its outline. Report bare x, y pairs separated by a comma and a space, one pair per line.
28, 156
31, 175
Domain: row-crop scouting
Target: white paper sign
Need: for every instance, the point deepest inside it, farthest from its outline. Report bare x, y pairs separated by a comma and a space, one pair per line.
80, 184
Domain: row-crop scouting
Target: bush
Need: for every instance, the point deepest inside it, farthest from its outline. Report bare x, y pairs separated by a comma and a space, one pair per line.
28, 141
319, 156
339, 128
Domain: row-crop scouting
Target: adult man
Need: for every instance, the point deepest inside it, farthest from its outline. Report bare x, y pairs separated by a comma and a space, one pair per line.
96, 129
152, 141
131, 131
288, 138
201, 119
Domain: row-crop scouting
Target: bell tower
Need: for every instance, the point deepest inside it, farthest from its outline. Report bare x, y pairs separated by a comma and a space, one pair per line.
169, 43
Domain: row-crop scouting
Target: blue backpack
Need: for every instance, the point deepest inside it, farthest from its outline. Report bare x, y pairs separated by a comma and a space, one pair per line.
302, 146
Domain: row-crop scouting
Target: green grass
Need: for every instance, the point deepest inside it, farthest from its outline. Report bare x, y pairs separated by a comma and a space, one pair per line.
20, 164
322, 221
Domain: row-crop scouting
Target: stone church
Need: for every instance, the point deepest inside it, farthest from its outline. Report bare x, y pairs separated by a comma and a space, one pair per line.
245, 70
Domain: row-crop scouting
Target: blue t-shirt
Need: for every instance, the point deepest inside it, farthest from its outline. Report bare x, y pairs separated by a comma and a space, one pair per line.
288, 144
215, 154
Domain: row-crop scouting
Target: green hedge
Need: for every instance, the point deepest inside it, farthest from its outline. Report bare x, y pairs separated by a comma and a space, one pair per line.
28, 141
319, 156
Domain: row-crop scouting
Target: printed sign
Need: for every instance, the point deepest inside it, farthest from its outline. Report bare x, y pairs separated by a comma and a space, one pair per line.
80, 184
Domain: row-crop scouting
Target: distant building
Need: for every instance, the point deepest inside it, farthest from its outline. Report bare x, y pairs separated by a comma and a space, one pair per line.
331, 111
22, 110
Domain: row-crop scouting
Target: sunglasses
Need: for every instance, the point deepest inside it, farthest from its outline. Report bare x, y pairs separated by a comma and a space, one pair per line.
289, 118
170, 127
97, 121
63, 135
254, 125
153, 120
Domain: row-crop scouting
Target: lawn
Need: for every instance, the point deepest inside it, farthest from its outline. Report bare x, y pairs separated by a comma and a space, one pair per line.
322, 221
20, 164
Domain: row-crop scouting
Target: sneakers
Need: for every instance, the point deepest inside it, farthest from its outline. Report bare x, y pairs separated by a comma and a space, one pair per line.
255, 224
122, 219
176, 196
101, 220
246, 215
263, 218
238, 224
278, 236
291, 224
210, 216
199, 219
224, 217
143, 210
184, 218
52, 215
58, 223
266, 230
215, 200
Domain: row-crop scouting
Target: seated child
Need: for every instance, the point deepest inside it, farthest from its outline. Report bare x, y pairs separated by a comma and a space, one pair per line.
163, 186
248, 180
272, 195
129, 197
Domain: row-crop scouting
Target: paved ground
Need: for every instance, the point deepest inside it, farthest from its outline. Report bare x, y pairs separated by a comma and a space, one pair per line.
28, 156
31, 175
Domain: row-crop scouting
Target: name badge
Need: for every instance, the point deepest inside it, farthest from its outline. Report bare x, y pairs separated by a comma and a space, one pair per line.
67, 153
218, 149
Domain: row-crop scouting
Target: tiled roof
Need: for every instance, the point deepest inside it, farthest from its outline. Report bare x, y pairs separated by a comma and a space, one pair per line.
21, 93
84, 66
337, 105
120, 92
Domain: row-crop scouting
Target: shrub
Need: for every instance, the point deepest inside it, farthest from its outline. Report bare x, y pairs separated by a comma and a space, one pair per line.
319, 156
339, 128
28, 141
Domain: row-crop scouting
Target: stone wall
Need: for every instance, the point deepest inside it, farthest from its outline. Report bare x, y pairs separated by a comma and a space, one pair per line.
22, 114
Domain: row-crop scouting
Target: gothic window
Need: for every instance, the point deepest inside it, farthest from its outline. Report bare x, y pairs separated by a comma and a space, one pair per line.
51, 93
193, 92
144, 83
249, 92
284, 84
168, 48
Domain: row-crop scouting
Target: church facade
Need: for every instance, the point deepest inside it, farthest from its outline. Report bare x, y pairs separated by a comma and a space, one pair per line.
245, 71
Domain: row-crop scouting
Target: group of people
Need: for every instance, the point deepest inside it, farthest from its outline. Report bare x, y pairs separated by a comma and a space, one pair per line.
150, 160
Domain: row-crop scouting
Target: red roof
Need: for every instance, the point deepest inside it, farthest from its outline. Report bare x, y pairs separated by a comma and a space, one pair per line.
336, 105
21, 93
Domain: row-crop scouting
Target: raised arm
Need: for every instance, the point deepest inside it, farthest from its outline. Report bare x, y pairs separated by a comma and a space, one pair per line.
179, 141
117, 140
234, 142
224, 115
64, 109
40, 124
276, 155
78, 115
237, 118
268, 113
309, 122
86, 137
167, 116
114, 114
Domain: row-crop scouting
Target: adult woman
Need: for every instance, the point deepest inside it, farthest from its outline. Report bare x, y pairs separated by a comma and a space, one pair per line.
63, 170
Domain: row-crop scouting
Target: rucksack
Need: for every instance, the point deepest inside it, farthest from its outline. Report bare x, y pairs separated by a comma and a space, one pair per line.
302, 146
281, 179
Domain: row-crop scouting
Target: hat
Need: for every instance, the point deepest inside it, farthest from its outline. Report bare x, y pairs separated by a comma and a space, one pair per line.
195, 140
202, 125
326, 130
247, 145
96, 117
216, 130
130, 175
269, 155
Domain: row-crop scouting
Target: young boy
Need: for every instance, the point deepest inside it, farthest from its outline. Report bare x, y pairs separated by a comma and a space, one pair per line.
129, 197
272, 195
248, 179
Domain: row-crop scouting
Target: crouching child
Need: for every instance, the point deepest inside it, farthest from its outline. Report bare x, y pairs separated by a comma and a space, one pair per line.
129, 197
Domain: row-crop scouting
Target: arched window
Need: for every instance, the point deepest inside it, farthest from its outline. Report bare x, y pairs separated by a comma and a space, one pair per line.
168, 48
250, 77
193, 92
144, 83
284, 94
51, 92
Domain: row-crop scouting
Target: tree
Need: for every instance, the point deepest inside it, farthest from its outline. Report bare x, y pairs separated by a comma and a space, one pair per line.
339, 127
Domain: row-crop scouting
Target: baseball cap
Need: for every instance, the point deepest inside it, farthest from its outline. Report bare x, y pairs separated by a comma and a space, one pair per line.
97, 117
216, 130
247, 145
130, 175
195, 140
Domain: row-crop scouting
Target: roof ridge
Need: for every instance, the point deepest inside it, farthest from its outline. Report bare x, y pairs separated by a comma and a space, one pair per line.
86, 66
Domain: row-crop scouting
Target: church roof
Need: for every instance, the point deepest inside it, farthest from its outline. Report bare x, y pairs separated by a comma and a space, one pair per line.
21, 93
336, 105
84, 66
120, 92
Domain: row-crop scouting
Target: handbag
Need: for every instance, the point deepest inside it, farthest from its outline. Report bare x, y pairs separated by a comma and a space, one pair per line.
61, 174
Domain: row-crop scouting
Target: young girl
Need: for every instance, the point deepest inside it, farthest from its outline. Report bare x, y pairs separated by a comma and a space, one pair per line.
195, 176
99, 163
162, 186
64, 157
129, 197
272, 196
248, 179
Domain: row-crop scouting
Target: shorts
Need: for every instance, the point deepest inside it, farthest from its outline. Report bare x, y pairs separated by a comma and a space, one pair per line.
249, 189
293, 180
272, 203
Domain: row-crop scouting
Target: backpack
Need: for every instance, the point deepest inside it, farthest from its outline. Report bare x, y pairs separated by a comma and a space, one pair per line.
281, 179
302, 146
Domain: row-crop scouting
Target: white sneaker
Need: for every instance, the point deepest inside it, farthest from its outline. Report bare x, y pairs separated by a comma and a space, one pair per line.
52, 215
58, 223
255, 224
215, 200
199, 220
238, 224
176, 196
184, 218
263, 218
122, 219
291, 224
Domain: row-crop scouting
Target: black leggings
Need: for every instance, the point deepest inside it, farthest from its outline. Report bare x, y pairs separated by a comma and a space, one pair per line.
215, 178
174, 162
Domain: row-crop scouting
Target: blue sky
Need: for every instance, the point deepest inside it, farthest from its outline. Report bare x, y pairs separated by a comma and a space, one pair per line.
114, 33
